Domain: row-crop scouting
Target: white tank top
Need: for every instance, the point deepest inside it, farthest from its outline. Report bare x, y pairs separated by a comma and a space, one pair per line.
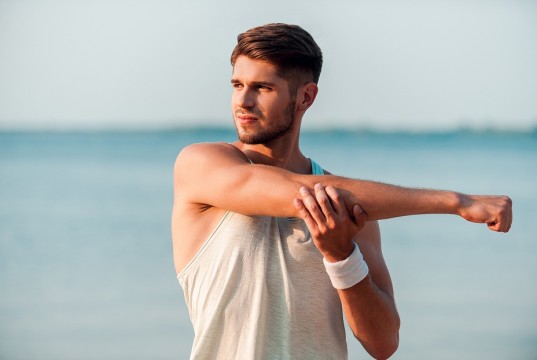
257, 289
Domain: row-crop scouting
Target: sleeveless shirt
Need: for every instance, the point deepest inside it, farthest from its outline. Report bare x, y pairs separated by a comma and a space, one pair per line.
257, 289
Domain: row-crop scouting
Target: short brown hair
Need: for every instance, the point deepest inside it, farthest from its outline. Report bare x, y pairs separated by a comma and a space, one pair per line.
289, 47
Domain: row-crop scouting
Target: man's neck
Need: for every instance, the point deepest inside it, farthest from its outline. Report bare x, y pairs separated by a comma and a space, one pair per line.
279, 153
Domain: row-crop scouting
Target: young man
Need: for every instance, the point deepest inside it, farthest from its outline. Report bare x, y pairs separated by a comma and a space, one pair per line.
265, 240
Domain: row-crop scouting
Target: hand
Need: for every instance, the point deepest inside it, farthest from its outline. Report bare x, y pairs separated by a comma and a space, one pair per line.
330, 225
495, 211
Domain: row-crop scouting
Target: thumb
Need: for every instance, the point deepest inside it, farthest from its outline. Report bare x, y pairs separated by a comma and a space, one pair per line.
360, 216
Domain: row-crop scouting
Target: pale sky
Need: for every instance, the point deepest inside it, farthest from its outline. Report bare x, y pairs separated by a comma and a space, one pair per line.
161, 63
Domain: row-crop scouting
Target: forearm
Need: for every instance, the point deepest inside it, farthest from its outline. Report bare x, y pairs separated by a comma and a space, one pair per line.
372, 317
275, 187
383, 201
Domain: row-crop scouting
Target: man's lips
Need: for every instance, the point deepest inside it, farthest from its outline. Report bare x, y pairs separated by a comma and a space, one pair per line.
246, 118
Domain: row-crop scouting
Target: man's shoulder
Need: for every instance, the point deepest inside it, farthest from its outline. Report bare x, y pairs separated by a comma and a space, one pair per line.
206, 153
206, 148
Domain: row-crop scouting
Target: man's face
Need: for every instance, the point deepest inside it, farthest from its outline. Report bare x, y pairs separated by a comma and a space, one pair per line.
263, 109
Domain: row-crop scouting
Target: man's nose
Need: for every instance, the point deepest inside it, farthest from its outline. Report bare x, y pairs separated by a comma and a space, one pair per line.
246, 98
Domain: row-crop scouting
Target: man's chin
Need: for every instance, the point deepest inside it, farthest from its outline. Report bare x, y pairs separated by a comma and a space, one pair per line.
249, 140
260, 138
247, 136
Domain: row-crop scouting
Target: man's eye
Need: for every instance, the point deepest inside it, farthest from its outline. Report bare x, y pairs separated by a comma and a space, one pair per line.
236, 86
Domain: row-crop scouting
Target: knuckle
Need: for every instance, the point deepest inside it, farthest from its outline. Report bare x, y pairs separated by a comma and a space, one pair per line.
336, 195
323, 201
332, 189
331, 224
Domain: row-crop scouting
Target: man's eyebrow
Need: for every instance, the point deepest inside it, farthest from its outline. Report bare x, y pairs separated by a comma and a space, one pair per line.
255, 83
263, 83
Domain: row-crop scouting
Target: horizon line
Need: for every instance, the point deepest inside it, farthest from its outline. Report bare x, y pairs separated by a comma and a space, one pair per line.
530, 129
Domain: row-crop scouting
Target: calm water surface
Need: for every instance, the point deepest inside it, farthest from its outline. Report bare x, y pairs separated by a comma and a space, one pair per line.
86, 269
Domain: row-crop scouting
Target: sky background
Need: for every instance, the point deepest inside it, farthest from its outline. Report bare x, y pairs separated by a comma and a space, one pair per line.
412, 65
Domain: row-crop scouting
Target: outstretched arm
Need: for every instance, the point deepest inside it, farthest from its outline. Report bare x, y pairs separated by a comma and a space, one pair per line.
220, 175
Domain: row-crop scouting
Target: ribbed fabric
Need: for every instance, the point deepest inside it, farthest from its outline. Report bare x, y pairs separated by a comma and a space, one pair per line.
257, 289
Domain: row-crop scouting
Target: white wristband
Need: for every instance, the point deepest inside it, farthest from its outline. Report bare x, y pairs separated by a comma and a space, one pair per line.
349, 272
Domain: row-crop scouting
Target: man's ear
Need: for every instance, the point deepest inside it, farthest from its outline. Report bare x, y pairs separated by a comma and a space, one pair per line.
307, 95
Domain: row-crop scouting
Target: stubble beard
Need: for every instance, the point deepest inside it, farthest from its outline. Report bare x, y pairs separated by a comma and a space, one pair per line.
268, 135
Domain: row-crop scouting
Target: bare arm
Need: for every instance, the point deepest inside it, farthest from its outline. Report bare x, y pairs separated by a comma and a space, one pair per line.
219, 175
369, 306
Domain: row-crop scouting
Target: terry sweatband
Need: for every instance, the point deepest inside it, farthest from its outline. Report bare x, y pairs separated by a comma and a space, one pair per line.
349, 272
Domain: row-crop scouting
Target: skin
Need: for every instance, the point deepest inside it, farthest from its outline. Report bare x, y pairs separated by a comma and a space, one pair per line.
210, 179
369, 306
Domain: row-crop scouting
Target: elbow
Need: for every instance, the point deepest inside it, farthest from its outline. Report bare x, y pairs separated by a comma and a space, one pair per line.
385, 351
383, 346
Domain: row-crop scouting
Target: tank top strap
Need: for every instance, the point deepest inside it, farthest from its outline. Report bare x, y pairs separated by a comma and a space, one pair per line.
316, 169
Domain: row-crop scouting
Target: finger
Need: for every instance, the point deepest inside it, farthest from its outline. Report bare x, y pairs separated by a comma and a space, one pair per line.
506, 223
499, 225
360, 216
324, 202
494, 226
507, 214
337, 202
510, 217
305, 214
506, 217
311, 204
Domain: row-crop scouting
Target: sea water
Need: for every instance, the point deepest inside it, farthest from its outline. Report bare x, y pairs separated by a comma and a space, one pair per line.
86, 268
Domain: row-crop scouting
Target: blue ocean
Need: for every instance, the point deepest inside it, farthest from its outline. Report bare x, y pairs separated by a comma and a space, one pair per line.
86, 268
